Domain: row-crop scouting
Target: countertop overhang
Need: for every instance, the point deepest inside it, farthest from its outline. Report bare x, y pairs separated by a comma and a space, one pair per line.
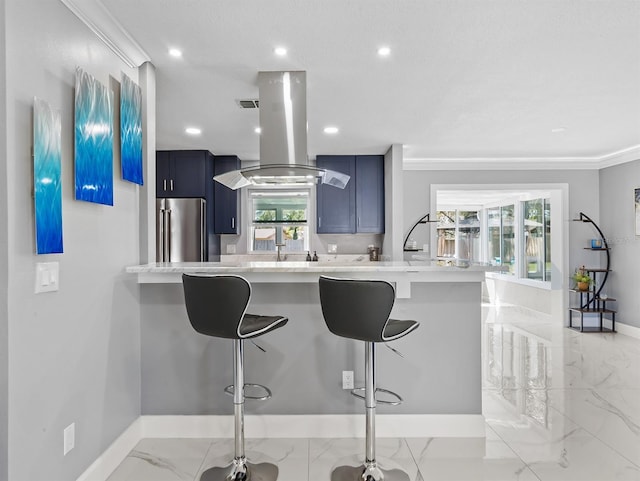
401, 273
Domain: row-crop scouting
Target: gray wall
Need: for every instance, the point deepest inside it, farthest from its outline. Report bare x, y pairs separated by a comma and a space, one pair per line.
184, 372
617, 222
4, 267
73, 354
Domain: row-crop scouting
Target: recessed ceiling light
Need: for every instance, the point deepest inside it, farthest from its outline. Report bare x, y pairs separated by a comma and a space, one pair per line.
193, 131
174, 52
280, 51
257, 130
384, 51
558, 130
331, 130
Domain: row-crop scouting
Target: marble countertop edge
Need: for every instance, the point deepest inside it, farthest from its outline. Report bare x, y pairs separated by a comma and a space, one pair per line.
307, 267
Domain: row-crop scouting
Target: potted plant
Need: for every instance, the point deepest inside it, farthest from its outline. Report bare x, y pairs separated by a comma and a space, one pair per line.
582, 279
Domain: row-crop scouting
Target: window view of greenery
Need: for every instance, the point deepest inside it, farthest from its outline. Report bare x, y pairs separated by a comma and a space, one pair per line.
537, 242
507, 251
493, 223
501, 237
280, 218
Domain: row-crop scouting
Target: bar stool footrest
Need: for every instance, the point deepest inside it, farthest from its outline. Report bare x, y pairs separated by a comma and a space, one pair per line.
229, 390
356, 393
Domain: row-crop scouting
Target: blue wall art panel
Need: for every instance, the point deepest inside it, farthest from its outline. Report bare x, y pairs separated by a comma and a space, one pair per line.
47, 141
93, 140
637, 191
131, 130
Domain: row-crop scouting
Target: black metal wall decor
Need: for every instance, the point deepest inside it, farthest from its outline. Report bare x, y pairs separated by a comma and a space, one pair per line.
423, 220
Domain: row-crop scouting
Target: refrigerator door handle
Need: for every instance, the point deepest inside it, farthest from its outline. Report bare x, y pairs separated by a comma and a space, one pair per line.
161, 235
167, 236
203, 229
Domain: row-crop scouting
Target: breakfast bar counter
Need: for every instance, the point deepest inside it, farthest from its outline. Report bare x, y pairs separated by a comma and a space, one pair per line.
438, 375
401, 273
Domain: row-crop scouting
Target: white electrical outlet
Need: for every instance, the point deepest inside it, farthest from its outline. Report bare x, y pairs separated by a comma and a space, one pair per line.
231, 248
347, 379
69, 435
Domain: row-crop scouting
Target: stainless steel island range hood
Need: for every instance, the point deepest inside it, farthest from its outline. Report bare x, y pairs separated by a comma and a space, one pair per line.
283, 139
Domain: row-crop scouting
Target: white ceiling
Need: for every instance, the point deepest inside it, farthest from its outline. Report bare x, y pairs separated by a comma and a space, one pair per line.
465, 79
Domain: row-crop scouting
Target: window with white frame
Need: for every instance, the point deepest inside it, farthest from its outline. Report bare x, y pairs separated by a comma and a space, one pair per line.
501, 242
510, 228
279, 217
459, 234
536, 227
519, 238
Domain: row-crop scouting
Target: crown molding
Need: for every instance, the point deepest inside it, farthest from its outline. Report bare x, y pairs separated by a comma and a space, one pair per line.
525, 163
620, 157
95, 15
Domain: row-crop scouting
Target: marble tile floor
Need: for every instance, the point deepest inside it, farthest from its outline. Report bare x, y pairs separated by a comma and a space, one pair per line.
559, 406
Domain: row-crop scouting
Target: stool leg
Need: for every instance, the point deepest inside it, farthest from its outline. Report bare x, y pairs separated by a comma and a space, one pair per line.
238, 397
370, 401
240, 469
371, 470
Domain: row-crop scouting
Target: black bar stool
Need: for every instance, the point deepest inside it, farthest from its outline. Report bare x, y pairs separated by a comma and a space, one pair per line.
360, 309
217, 306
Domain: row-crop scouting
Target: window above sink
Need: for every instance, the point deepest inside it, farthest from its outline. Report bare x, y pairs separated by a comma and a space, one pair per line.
279, 217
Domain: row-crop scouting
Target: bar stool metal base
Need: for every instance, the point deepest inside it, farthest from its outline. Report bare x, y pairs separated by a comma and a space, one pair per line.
241, 470
367, 472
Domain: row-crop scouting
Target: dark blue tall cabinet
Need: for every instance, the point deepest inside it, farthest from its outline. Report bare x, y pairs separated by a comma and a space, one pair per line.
359, 208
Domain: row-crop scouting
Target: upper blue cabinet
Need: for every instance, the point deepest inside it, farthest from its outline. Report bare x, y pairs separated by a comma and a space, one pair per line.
226, 201
359, 208
181, 173
370, 194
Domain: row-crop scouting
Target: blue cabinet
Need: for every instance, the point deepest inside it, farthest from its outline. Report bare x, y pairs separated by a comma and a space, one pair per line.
369, 187
336, 208
359, 208
226, 201
181, 173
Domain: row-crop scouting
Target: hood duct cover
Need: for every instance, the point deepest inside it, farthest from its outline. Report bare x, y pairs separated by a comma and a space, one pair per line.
283, 139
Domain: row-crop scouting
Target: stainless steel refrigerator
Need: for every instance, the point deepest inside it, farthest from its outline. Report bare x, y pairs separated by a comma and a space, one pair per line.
181, 230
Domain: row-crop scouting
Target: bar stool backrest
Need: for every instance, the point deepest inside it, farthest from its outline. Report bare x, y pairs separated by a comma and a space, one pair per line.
216, 304
356, 309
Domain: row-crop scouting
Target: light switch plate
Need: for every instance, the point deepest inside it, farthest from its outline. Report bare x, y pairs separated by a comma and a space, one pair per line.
69, 438
47, 277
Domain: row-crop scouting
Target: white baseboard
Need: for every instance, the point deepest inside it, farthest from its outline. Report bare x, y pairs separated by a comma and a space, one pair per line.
109, 460
282, 426
628, 330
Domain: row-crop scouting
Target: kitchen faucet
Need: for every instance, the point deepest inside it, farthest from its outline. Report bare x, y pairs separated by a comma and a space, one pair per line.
280, 257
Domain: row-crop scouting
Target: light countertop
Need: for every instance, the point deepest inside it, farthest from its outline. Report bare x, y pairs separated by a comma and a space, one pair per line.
305, 267
401, 273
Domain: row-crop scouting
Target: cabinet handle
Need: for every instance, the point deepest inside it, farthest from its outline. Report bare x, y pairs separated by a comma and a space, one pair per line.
171, 183
319, 221
233, 222
358, 221
164, 185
